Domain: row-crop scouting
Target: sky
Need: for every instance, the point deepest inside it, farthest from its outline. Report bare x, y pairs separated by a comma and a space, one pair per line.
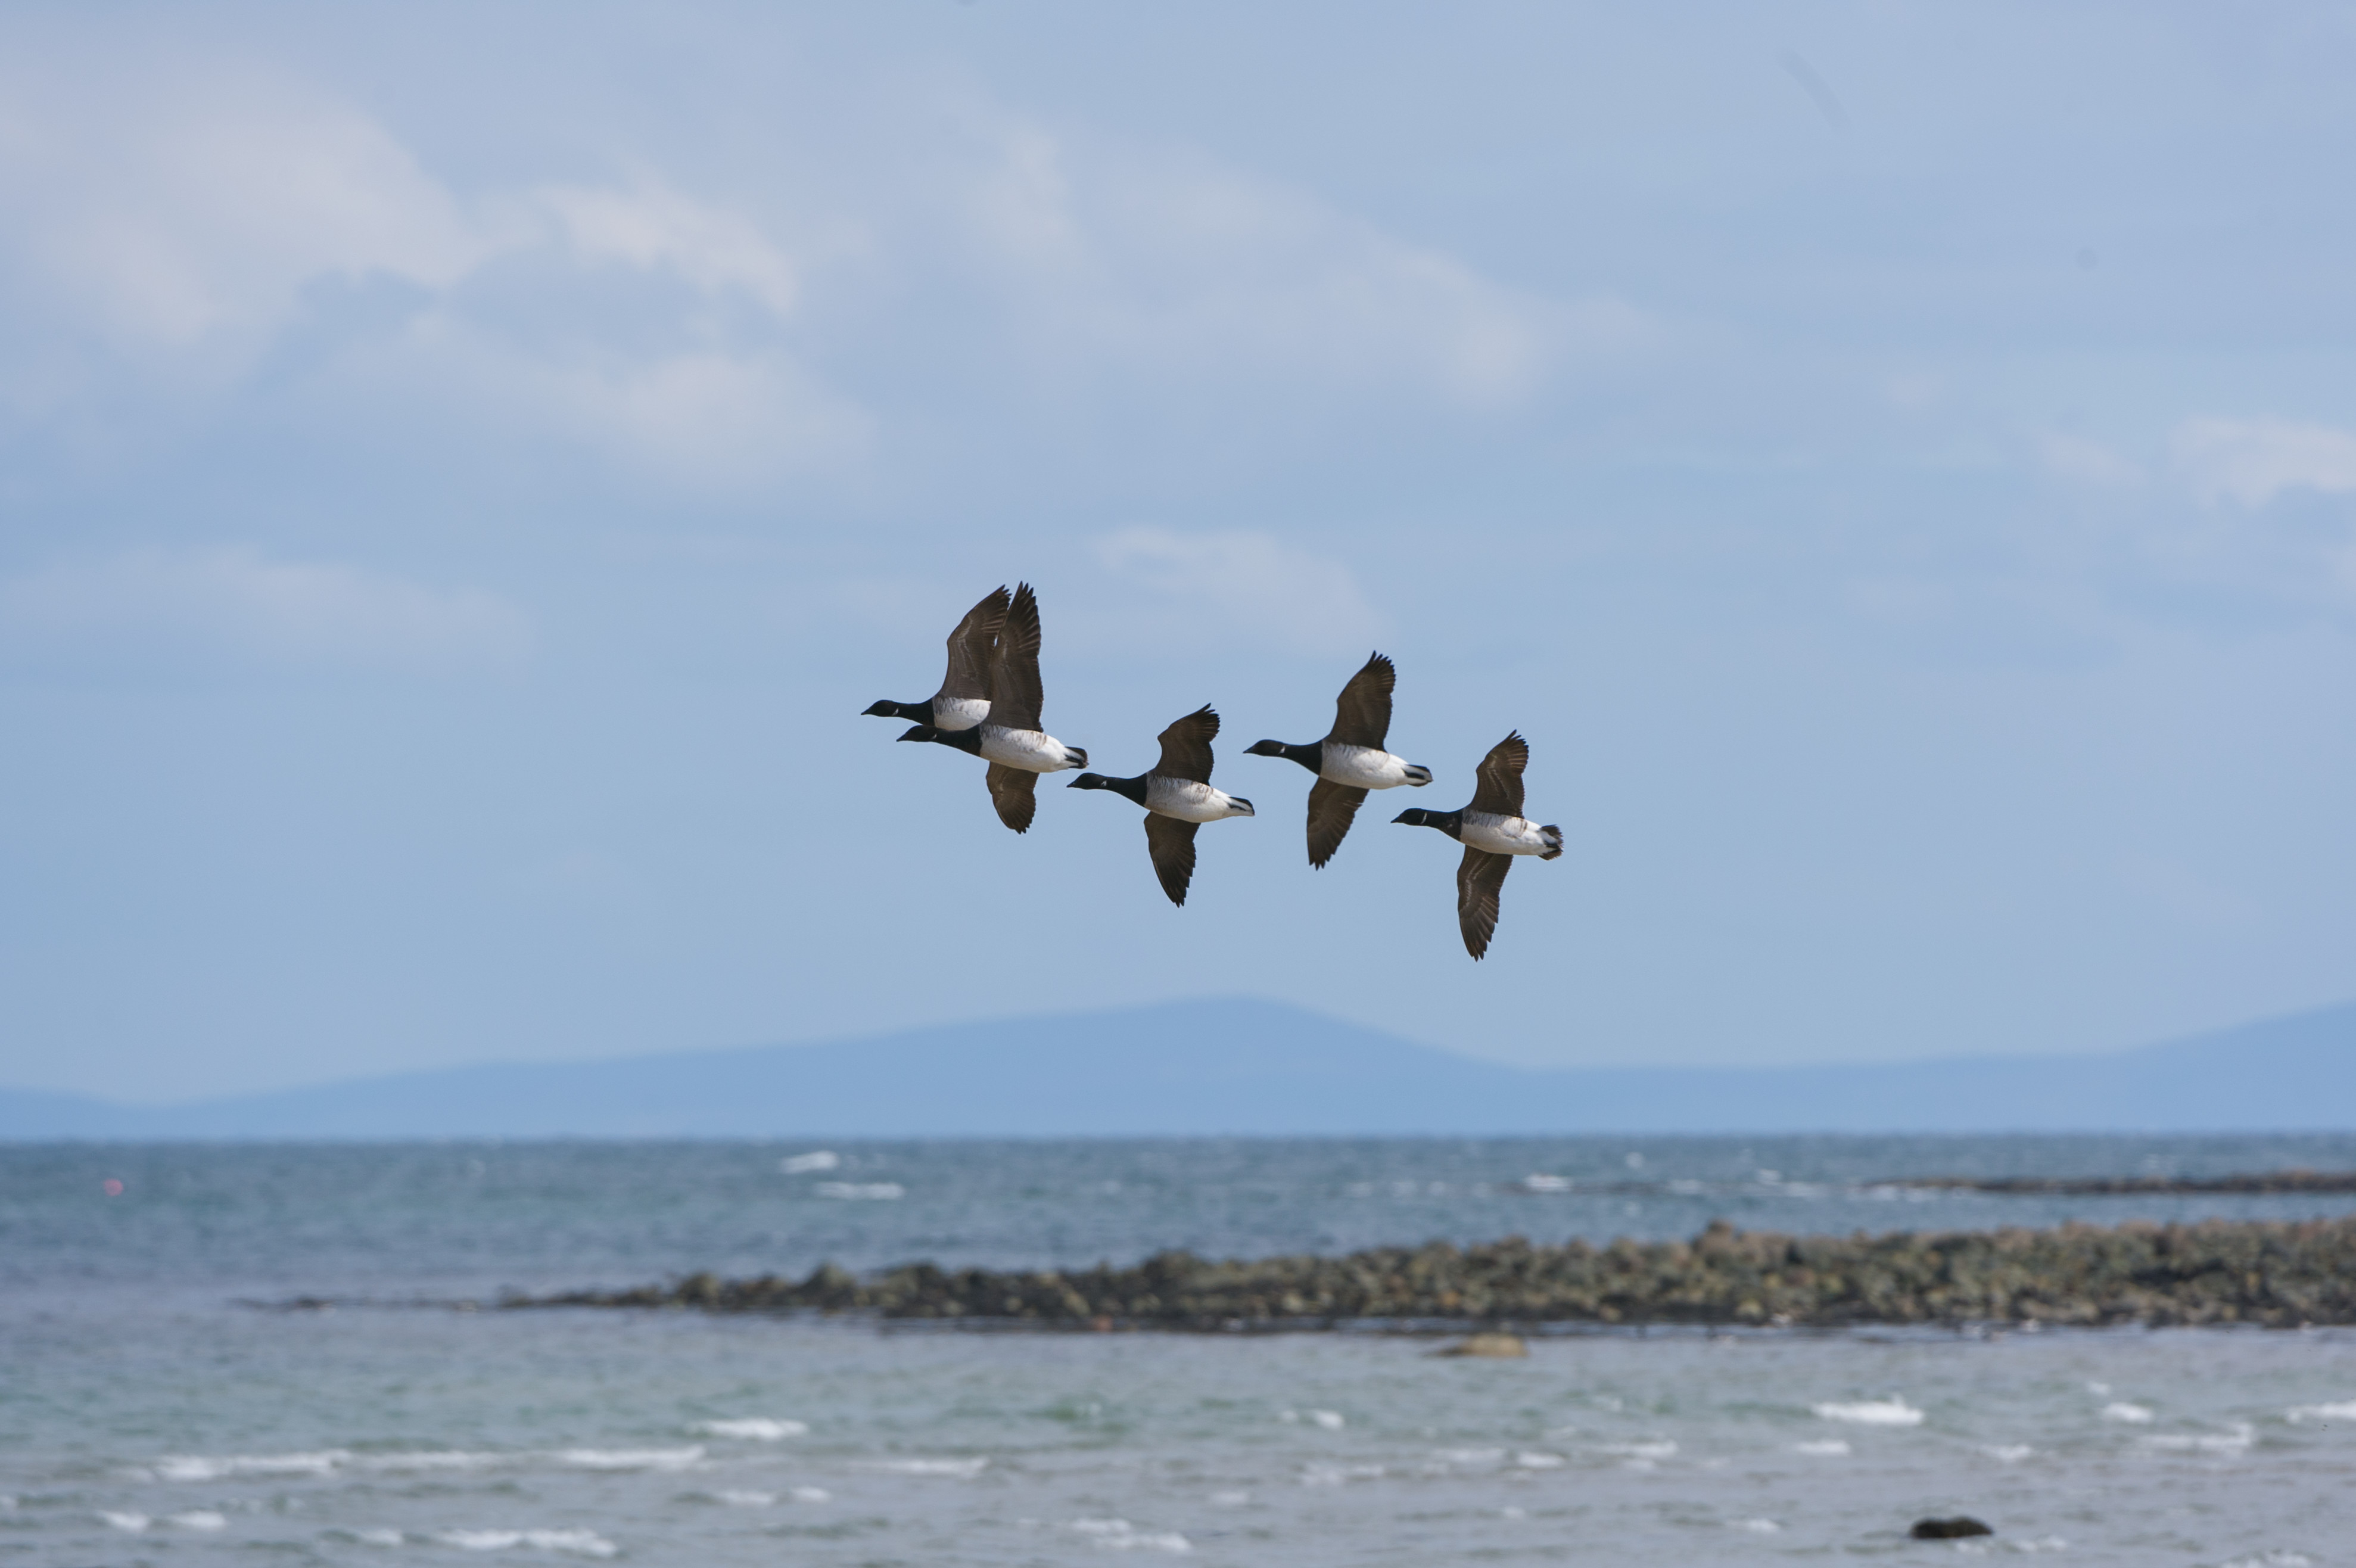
463, 469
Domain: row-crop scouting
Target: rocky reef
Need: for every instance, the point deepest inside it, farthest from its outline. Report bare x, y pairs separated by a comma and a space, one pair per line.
2295, 1180
2276, 1274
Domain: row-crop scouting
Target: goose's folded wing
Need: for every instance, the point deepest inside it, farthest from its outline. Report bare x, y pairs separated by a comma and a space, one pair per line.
1499, 790
1014, 693
1172, 844
1479, 879
1331, 809
1362, 714
1187, 746
971, 646
1016, 794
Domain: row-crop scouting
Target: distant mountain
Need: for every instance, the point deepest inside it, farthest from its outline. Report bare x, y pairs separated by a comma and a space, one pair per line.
1248, 1066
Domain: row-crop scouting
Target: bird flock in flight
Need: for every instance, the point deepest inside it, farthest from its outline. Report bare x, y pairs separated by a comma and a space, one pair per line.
989, 705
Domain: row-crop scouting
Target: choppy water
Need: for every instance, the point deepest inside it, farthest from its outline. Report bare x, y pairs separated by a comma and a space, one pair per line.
147, 1418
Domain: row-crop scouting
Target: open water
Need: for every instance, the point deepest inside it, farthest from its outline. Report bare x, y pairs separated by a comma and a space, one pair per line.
148, 1416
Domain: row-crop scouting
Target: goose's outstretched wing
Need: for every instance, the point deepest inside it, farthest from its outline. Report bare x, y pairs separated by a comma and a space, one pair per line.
1499, 790
1362, 714
1479, 879
1014, 693
1331, 809
1016, 794
1187, 746
971, 646
1172, 844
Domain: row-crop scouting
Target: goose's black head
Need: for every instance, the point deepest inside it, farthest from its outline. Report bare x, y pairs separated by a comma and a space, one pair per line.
887, 709
1132, 788
1311, 756
1448, 823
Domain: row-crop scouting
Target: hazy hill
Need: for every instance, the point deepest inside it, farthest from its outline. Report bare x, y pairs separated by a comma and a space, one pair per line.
1241, 1065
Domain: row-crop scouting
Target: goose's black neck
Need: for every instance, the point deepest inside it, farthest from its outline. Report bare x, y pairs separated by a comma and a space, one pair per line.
1132, 788
916, 713
1311, 756
1450, 822
966, 740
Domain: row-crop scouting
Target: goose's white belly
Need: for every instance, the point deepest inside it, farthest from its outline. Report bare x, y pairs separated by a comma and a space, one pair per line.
1190, 801
1503, 835
1034, 751
956, 713
1362, 766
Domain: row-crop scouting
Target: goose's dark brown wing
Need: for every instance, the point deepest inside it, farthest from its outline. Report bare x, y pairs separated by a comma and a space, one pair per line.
1172, 844
1362, 714
1016, 794
1331, 809
1479, 879
1014, 693
1187, 746
1500, 789
969, 649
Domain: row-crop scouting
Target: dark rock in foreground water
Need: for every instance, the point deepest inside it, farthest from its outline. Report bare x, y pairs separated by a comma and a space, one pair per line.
2276, 1274
1948, 1529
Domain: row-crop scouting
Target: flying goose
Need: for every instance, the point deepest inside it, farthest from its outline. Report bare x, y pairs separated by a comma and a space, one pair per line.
1010, 739
1177, 797
1492, 830
963, 700
1351, 760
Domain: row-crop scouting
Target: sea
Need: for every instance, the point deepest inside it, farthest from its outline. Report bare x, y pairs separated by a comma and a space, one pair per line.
291, 1354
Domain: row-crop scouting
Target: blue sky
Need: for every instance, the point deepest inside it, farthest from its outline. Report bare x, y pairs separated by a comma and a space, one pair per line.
466, 469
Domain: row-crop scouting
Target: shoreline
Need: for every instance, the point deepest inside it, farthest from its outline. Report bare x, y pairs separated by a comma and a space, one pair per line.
2268, 1273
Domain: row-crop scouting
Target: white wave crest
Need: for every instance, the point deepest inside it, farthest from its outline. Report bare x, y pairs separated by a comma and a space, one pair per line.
963, 1469
429, 1459
816, 1160
1122, 1536
747, 1499
1758, 1526
753, 1428
1337, 1475
1536, 1459
1823, 1448
205, 1467
2132, 1414
2343, 1409
1658, 1448
873, 1191
811, 1494
2235, 1440
579, 1542
1871, 1413
377, 1537
2007, 1453
198, 1518
132, 1522
632, 1458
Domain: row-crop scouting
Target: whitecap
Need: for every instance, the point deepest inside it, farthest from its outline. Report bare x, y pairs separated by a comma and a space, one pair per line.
2133, 1414
811, 1494
132, 1522
964, 1469
2037, 1543
2007, 1453
753, 1428
2235, 1440
1823, 1448
1337, 1475
1871, 1413
377, 1537
1661, 1448
1330, 1420
2343, 1409
1470, 1456
1231, 1499
202, 1468
198, 1518
1538, 1182
2274, 1560
747, 1499
816, 1160
1758, 1526
632, 1458
1122, 1536
579, 1542
878, 1191
429, 1459
1534, 1459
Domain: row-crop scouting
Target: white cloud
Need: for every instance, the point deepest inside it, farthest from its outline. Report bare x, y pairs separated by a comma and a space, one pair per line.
1247, 585
1175, 263
237, 601
2253, 460
653, 228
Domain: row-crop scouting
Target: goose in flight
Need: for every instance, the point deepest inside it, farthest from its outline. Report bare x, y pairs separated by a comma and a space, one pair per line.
1492, 830
1177, 797
963, 700
1009, 738
1351, 759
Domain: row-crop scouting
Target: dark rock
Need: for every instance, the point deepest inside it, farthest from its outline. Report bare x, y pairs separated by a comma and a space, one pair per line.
1948, 1528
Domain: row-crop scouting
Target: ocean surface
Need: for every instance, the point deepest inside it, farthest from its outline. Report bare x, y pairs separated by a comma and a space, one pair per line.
160, 1403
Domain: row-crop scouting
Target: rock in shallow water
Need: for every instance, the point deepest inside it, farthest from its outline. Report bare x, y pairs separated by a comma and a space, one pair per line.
1948, 1529
1495, 1347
